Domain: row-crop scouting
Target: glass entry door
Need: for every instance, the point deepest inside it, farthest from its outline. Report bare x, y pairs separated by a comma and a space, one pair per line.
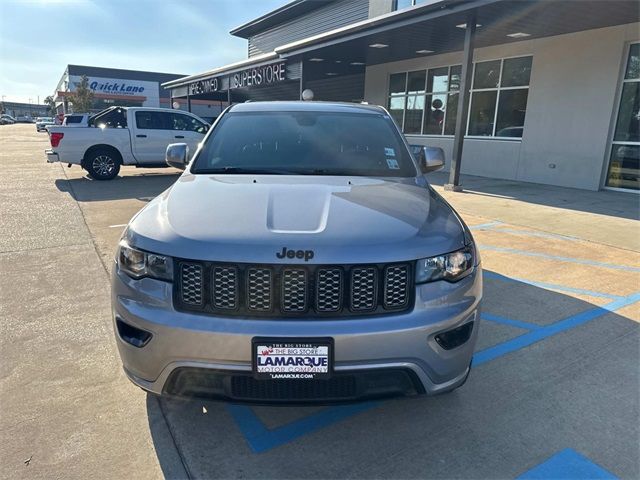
624, 163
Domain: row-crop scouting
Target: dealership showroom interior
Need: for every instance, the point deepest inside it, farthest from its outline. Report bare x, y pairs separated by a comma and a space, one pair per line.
349, 239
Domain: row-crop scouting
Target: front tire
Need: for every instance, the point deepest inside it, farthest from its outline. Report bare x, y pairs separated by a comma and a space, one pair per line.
102, 165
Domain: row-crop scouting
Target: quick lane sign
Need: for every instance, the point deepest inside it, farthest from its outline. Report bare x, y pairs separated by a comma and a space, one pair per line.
121, 87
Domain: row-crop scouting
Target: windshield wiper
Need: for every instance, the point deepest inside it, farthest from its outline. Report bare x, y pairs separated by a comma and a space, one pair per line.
328, 171
249, 171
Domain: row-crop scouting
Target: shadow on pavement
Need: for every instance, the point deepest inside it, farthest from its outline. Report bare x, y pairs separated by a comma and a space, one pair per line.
576, 388
142, 187
604, 202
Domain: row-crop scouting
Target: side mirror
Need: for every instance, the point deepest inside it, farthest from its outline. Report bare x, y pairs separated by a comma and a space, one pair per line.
430, 159
177, 155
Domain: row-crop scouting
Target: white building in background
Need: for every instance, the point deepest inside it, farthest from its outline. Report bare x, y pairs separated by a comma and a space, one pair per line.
130, 88
554, 86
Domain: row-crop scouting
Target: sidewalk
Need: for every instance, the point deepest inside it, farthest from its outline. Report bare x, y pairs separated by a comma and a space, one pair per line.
558, 210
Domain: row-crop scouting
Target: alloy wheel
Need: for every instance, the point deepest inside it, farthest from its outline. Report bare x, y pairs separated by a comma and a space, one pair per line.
104, 165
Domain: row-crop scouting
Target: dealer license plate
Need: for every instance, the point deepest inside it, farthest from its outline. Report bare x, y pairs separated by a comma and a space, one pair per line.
292, 359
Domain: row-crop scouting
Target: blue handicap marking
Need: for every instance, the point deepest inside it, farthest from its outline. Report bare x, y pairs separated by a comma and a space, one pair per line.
261, 439
542, 332
567, 465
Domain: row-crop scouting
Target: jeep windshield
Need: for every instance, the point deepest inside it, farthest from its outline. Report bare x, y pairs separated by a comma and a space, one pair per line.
305, 143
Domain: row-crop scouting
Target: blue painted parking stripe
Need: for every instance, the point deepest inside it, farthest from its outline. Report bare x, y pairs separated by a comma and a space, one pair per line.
485, 226
261, 439
548, 330
549, 286
528, 233
509, 322
559, 258
567, 465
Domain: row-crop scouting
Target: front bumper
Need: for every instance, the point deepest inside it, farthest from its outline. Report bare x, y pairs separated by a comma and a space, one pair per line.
197, 343
52, 157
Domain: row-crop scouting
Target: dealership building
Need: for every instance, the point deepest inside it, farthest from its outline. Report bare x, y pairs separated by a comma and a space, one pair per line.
130, 88
531, 90
25, 110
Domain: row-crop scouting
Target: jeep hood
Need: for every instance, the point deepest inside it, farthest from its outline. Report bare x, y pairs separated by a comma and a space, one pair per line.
249, 218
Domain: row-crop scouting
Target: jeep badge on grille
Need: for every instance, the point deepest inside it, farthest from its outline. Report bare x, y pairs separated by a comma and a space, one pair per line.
286, 253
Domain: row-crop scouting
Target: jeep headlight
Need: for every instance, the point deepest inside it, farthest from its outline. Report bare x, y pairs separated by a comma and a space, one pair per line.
138, 264
451, 267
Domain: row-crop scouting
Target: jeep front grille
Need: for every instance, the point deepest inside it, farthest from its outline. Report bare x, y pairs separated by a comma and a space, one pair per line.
259, 289
293, 290
225, 287
191, 283
364, 291
396, 279
329, 290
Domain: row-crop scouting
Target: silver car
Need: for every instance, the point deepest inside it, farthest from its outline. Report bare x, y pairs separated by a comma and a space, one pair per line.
302, 256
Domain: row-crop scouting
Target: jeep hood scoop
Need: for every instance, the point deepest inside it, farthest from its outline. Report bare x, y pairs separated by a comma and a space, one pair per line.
249, 218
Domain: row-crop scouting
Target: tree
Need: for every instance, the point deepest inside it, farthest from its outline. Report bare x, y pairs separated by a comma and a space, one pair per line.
82, 97
50, 102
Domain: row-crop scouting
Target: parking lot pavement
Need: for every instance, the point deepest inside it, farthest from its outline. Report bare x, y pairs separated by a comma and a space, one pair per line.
554, 391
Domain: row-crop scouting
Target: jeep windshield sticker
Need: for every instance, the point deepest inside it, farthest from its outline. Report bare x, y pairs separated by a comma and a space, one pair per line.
389, 152
393, 164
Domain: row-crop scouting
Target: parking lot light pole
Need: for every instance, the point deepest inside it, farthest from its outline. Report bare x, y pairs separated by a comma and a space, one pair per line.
463, 105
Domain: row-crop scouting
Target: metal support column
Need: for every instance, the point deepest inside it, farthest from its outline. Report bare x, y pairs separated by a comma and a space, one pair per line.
301, 78
463, 104
188, 102
228, 97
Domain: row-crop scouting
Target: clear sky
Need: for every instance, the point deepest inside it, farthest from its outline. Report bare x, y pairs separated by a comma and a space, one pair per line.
38, 38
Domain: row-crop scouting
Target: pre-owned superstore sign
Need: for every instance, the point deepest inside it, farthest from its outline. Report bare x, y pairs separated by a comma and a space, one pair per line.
251, 77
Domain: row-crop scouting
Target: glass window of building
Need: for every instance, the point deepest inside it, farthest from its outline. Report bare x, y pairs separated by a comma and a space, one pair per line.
397, 97
427, 106
498, 101
400, 4
499, 97
624, 161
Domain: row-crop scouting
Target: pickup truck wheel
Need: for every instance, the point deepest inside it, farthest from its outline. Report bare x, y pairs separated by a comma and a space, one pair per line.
102, 165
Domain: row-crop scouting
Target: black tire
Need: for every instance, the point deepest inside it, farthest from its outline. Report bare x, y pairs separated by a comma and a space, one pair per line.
102, 164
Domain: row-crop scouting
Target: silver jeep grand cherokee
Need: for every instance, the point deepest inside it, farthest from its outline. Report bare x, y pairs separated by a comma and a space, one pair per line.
301, 256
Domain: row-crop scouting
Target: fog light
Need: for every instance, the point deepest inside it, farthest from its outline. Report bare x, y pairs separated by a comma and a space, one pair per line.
132, 335
456, 337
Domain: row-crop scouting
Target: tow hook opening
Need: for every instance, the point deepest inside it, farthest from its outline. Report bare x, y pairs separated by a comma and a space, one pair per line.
132, 335
455, 337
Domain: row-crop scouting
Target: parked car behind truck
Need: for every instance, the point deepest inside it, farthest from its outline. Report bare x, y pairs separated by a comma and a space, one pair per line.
76, 120
124, 136
43, 122
6, 119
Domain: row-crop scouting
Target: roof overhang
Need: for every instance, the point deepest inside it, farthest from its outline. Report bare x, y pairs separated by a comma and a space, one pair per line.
278, 16
435, 26
227, 69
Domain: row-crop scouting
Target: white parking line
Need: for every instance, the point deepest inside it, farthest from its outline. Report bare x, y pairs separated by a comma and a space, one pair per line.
119, 225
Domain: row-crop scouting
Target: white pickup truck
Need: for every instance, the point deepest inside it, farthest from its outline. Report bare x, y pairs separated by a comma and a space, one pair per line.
124, 136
